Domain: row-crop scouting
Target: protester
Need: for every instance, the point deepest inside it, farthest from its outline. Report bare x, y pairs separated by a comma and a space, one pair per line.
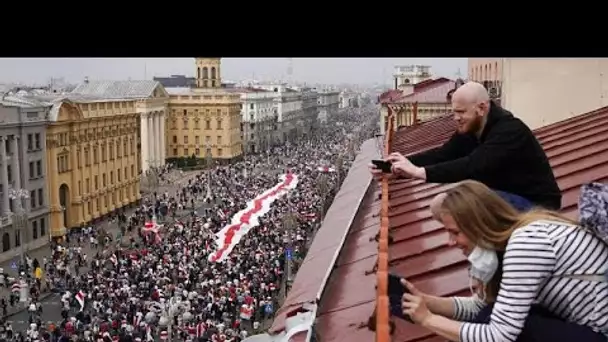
538, 276
490, 145
159, 278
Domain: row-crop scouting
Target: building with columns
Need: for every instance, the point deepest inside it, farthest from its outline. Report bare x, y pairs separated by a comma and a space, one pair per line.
151, 103
23, 167
204, 119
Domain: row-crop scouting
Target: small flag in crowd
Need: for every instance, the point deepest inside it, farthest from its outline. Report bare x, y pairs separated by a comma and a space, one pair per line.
80, 298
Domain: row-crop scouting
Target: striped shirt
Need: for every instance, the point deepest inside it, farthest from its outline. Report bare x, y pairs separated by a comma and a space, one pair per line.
540, 266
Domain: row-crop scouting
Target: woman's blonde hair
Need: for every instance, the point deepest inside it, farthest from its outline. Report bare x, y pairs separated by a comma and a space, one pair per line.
485, 218
488, 221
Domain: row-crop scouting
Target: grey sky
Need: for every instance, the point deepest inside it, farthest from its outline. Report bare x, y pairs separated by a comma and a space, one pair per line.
311, 70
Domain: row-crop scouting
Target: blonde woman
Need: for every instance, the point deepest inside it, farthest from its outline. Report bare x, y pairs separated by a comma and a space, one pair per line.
540, 275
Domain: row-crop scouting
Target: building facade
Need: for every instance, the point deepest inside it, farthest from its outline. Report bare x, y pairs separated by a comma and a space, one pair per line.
151, 101
258, 118
542, 91
204, 119
348, 99
288, 105
310, 109
410, 74
23, 167
328, 103
94, 153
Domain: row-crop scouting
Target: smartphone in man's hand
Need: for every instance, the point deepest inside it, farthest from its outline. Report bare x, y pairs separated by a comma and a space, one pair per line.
385, 166
396, 290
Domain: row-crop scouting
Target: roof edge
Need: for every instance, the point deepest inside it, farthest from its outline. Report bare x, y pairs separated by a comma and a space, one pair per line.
356, 184
370, 147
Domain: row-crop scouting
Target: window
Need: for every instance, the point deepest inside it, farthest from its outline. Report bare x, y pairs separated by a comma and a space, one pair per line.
38, 143
31, 169
103, 153
219, 139
33, 199
34, 230
95, 160
185, 139
219, 123
219, 152
175, 139
197, 151
196, 140
196, 124
40, 197
185, 152
96, 182
185, 123
103, 180
30, 142
175, 152
42, 227
111, 177
39, 168
118, 175
87, 160
251, 106
208, 124
185, 112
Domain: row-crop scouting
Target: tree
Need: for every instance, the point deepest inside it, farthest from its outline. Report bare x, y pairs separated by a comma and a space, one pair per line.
322, 188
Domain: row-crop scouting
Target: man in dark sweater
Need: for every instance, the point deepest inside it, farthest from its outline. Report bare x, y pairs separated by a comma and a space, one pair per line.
490, 146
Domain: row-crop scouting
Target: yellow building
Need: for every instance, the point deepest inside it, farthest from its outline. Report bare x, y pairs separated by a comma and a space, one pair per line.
204, 118
93, 159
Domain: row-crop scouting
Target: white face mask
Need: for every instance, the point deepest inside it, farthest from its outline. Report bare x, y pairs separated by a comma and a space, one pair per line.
484, 264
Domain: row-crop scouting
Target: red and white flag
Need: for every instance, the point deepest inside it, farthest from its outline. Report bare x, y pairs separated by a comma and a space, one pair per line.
326, 169
80, 298
16, 287
114, 259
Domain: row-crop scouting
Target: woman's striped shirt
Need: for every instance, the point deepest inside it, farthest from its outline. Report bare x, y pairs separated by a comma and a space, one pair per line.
540, 266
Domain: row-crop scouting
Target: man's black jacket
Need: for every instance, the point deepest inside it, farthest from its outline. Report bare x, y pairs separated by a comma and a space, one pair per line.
506, 157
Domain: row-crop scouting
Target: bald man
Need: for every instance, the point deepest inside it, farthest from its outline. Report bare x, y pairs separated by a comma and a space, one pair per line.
490, 145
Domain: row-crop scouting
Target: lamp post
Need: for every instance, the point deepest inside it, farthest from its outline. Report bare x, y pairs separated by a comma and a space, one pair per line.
20, 218
322, 187
209, 162
152, 177
289, 224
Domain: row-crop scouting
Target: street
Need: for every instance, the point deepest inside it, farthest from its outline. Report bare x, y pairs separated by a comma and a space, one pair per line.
51, 305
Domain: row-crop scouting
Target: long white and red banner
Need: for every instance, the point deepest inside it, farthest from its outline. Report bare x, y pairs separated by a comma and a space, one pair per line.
248, 218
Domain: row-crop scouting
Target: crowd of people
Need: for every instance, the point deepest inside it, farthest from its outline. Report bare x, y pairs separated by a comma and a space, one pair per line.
160, 277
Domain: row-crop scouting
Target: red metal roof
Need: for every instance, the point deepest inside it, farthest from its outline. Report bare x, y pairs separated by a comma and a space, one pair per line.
578, 152
419, 88
435, 93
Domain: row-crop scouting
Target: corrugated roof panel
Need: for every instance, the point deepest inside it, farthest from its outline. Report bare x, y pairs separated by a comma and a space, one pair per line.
578, 151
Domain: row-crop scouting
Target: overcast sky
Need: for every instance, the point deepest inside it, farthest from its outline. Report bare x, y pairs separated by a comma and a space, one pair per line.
310, 70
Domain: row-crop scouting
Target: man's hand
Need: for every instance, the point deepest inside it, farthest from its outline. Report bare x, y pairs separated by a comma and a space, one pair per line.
402, 167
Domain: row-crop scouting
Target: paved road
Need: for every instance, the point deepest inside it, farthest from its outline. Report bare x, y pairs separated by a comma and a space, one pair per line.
52, 305
51, 312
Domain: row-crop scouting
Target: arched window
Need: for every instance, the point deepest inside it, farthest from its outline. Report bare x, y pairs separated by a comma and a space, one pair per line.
205, 73
213, 73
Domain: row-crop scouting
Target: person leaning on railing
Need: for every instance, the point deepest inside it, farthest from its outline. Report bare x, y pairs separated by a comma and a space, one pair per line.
490, 145
539, 276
